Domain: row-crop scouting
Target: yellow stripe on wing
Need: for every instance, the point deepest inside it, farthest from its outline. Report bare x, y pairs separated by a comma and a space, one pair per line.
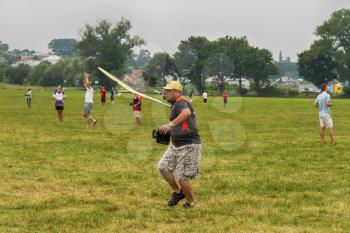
130, 88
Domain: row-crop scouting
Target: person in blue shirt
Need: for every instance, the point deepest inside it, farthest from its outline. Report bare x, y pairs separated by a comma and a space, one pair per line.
323, 102
112, 95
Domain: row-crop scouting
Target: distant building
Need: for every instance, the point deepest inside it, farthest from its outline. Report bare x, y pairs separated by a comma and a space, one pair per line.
245, 82
285, 81
53, 59
309, 87
27, 60
135, 78
280, 59
40, 55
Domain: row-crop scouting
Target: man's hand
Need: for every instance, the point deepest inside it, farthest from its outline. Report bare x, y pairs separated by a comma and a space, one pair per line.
164, 129
180, 118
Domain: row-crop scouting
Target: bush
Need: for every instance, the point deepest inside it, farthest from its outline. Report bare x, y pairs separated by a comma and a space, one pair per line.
290, 92
212, 89
17, 75
346, 91
242, 91
3, 68
270, 91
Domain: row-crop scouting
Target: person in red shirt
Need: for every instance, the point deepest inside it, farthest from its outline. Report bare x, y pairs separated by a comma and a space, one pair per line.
225, 96
136, 108
103, 96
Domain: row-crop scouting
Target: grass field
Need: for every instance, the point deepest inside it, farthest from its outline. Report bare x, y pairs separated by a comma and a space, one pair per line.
263, 168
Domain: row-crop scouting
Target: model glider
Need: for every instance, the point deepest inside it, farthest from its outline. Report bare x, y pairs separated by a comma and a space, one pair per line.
122, 84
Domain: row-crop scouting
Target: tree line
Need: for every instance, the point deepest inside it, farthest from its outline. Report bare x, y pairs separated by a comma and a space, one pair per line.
111, 47
328, 58
197, 58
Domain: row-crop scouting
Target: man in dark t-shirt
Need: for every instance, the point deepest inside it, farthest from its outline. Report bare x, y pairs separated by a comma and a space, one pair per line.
184, 152
112, 93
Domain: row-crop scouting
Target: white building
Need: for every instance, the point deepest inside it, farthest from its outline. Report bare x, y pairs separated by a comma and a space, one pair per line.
53, 59
245, 82
308, 87
27, 60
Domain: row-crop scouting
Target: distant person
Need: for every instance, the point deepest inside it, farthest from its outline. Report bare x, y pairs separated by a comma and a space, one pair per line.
59, 87
190, 95
58, 97
29, 97
89, 100
136, 108
323, 102
112, 93
225, 96
103, 96
205, 96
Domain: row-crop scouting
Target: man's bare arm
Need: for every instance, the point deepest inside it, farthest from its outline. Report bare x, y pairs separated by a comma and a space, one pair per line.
329, 103
86, 79
180, 118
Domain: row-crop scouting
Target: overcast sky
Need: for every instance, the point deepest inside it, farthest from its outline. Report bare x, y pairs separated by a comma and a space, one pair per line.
278, 25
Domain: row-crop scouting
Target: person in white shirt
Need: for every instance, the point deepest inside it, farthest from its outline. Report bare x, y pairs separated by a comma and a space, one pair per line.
205, 96
323, 102
89, 100
58, 96
29, 97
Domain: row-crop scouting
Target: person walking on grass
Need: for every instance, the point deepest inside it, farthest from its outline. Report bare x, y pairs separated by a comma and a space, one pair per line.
58, 97
29, 97
183, 155
205, 96
225, 96
89, 100
112, 93
323, 102
103, 96
190, 96
136, 108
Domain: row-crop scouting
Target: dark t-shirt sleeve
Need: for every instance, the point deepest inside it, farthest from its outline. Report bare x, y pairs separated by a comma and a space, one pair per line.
180, 106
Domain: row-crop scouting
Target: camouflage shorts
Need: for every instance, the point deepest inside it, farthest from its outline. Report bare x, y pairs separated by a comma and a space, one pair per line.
184, 160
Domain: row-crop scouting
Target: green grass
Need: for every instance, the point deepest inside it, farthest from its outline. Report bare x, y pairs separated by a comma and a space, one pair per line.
263, 168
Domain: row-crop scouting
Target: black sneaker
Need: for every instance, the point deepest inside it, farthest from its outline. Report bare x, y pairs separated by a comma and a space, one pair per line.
175, 198
187, 206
